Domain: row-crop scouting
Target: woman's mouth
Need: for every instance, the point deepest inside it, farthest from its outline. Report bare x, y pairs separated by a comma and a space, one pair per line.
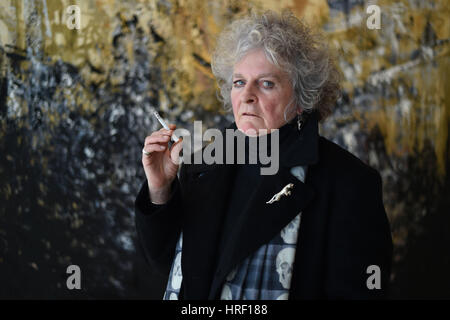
249, 114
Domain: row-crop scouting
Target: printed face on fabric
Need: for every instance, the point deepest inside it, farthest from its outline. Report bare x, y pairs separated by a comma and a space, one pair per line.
285, 265
289, 233
177, 276
260, 94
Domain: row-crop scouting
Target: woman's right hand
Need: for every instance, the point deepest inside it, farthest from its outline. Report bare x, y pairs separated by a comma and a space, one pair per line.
161, 165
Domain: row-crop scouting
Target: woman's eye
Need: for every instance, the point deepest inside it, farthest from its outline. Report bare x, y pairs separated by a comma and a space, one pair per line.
238, 83
268, 84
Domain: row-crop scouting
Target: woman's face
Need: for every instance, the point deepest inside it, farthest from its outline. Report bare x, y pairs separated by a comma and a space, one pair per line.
260, 94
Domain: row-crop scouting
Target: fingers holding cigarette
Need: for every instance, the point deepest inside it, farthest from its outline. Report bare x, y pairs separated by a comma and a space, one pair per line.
165, 126
160, 162
158, 140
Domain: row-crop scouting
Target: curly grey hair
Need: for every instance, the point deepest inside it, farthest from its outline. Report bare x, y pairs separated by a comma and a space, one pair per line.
289, 44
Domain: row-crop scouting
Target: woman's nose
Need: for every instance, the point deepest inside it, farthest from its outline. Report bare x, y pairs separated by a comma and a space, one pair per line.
248, 96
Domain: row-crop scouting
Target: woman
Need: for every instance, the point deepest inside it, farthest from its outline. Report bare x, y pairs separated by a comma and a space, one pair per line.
316, 229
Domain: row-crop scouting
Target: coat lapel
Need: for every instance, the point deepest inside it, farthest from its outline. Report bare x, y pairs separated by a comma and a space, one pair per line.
261, 222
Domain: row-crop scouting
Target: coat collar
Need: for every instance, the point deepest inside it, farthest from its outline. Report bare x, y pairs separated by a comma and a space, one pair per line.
301, 148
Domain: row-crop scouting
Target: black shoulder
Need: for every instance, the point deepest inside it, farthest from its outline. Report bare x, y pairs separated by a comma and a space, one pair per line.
344, 164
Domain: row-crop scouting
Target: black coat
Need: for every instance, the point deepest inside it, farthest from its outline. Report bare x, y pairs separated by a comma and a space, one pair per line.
343, 230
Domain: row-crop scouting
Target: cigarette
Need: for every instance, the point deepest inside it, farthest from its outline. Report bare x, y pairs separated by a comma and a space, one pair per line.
165, 126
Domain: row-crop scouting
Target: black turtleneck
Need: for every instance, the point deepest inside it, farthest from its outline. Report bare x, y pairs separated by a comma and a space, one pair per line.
247, 179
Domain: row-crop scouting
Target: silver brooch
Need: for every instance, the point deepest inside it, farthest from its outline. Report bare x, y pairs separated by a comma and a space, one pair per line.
286, 191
